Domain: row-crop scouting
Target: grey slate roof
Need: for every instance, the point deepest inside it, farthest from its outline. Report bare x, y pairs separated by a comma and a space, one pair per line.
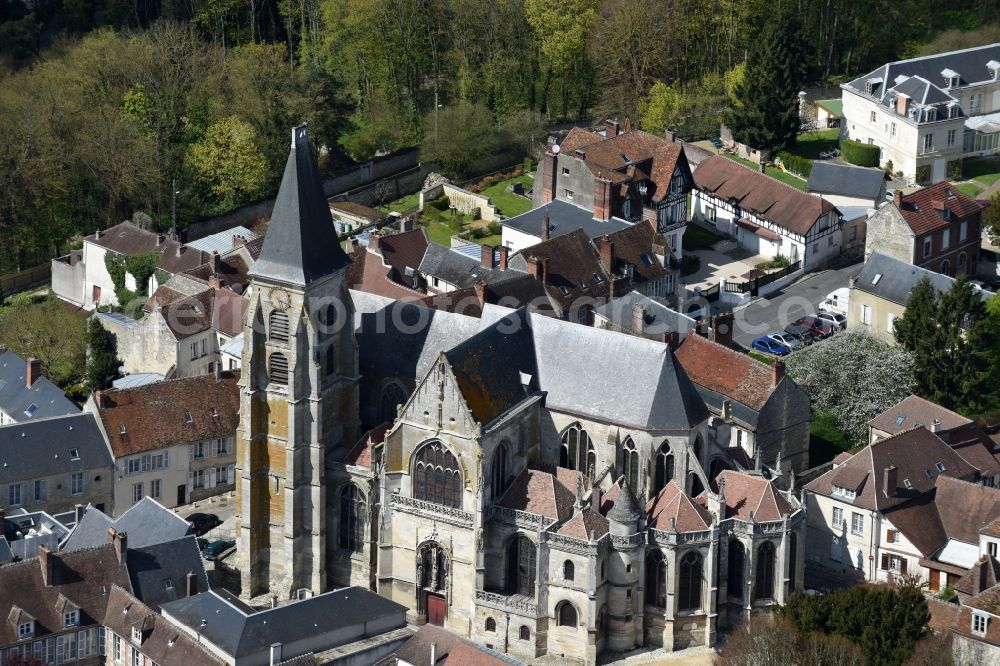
301, 244
239, 633
898, 279
460, 269
625, 509
147, 523
564, 217
16, 397
39, 449
222, 241
659, 318
845, 180
740, 412
158, 572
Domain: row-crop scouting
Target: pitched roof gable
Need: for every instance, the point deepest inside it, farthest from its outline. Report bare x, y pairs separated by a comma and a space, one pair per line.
936, 207
746, 493
914, 410
541, 493
671, 509
726, 371
584, 524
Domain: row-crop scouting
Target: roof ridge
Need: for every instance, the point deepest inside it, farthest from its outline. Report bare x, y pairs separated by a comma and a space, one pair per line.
766, 175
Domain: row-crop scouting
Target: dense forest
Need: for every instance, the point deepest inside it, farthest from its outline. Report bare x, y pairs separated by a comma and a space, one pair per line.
107, 105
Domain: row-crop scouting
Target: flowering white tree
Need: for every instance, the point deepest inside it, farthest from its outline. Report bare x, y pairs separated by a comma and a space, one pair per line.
854, 376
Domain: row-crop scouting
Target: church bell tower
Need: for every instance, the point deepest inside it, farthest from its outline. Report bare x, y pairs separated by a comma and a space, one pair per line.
299, 387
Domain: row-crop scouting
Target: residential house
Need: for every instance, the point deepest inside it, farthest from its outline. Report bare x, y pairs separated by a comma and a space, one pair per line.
222, 242
433, 645
147, 523
640, 315
847, 185
765, 216
82, 277
880, 292
351, 618
936, 228
23, 532
173, 441
757, 410
551, 220
54, 464
975, 631
25, 394
882, 512
925, 114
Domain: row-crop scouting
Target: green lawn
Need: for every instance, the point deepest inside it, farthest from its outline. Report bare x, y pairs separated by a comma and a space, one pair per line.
404, 204
810, 144
760, 356
825, 439
969, 189
747, 163
985, 170
699, 238
508, 203
774, 172
440, 233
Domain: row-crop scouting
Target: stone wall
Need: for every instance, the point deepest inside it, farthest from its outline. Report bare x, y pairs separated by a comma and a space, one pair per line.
464, 201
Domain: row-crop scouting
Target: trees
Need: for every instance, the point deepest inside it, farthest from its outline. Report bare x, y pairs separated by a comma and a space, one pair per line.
766, 641
768, 118
465, 134
953, 339
991, 219
855, 377
102, 356
227, 166
49, 332
662, 108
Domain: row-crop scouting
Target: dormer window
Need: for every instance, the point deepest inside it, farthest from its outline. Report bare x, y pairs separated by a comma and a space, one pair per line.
71, 619
994, 68
25, 630
137, 634
953, 111
188, 418
939, 465
930, 115
840, 491
74, 454
121, 429
907, 484
979, 623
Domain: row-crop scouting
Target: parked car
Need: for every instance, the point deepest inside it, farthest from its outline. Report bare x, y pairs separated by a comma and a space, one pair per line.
786, 339
836, 301
769, 346
800, 333
835, 319
203, 522
218, 549
817, 327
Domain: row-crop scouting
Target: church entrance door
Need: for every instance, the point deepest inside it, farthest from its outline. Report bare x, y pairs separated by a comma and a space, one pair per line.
436, 608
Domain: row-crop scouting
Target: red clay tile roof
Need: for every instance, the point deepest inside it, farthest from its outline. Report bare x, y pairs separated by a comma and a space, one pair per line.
943, 615
571, 260
84, 577
577, 138
541, 493
922, 209
154, 414
915, 410
645, 153
128, 239
672, 503
584, 524
915, 454
989, 575
450, 650
361, 452
748, 492
726, 371
634, 242
185, 316
233, 270
367, 273
770, 199
992, 528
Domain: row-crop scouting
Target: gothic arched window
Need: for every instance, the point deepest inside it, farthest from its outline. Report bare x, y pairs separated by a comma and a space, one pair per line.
793, 546
569, 570
501, 474
664, 467
278, 326
331, 359
352, 518
689, 584
277, 369
566, 615
491, 624
656, 579
521, 566
436, 476
393, 395
734, 577
577, 451
764, 585
630, 464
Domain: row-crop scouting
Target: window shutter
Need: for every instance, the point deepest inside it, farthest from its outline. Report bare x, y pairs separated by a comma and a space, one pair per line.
885, 562
231, 476
890, 536
902, 566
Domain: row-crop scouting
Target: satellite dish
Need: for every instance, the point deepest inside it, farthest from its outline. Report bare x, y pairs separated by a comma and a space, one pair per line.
555, 149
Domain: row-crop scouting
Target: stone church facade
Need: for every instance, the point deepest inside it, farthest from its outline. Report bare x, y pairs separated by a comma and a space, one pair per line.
536, 485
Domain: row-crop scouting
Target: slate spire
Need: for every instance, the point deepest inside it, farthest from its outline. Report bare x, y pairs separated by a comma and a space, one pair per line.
301, 243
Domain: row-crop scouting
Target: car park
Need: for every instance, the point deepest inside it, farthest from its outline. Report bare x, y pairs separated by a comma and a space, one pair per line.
817, 327
835, 319
800, 333
769, 346
203, 522
787, 339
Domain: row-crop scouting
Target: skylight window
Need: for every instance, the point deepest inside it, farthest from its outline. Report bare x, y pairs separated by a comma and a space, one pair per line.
906, 482
939, 465
646, 260
121, 429
878, 276
74, 454
564, 290
930, 474
30, 411
583, 285
188, 418
3, 384
900, 419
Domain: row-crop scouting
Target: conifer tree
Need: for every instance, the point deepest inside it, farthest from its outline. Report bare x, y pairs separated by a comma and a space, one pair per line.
102, 356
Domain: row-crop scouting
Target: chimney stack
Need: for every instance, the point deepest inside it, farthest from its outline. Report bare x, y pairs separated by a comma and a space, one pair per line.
373, 241
239, 240
607, 249
897, 198
545, 227
890, 481
638, 318
33, 371
47, 561
275, 654
78, 511
722, 329
159, 239
190, 584
671, 135
595, 498
777, 371
936, 425
537, 267
216, 262
480, 287
504, 256
97, 233
180, 249
980, 575
121, 546
611, 128
486, 255
547, 171
671, 339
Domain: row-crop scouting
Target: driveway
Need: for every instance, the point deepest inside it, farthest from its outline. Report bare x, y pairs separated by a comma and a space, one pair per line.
766, 315
715, 266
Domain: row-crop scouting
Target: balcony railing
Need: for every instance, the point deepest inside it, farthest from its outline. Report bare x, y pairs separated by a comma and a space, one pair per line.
509, 603
431, 510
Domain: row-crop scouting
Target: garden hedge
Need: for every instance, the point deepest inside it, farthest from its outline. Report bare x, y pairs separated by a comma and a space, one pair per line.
860, 154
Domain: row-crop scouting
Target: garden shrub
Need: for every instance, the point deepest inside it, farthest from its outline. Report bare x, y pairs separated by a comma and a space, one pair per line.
860, 154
